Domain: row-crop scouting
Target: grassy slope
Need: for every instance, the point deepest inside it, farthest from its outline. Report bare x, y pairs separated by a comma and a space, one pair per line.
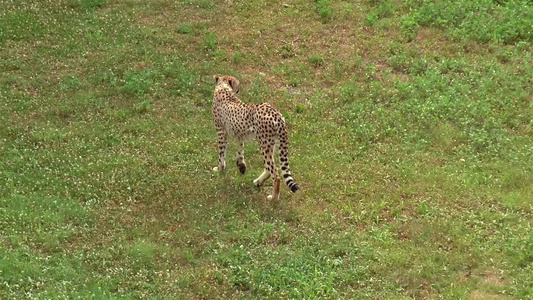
410, 129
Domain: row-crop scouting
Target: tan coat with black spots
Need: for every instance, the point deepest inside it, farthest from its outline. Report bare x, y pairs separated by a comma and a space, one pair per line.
236, 119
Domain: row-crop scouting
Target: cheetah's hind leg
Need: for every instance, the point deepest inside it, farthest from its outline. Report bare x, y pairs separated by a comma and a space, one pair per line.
261, 179
275, 192
268, 150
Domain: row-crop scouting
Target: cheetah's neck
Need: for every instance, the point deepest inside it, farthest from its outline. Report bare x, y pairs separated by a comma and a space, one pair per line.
223, 86
224, 92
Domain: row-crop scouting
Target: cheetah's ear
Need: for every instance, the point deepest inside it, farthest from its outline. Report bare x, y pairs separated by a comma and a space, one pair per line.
216, 79
234, 83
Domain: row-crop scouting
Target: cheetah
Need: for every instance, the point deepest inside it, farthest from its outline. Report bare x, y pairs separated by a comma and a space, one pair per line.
243, 122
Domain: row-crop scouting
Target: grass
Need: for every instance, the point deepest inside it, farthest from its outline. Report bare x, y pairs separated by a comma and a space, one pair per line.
410, 134
479, 20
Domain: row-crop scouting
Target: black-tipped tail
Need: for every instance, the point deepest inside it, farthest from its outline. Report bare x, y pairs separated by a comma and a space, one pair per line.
284, 160
291, 183
295, 187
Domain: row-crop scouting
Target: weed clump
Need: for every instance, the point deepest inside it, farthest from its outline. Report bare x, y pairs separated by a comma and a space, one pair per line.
143, 107
184, 29
324, 9
210, 41
316, 61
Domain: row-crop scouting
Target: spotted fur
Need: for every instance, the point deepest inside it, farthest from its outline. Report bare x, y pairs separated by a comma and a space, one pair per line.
242, 121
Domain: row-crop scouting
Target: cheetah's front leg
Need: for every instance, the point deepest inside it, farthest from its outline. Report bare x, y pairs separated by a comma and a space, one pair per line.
240, 158
222, 142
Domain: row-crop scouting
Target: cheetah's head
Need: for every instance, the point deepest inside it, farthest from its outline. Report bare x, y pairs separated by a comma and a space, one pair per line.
228, 80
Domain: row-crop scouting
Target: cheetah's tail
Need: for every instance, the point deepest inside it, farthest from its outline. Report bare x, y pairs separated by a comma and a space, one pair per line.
284, 158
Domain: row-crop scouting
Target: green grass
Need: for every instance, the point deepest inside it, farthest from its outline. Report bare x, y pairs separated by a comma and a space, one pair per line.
410, 128
484, 21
